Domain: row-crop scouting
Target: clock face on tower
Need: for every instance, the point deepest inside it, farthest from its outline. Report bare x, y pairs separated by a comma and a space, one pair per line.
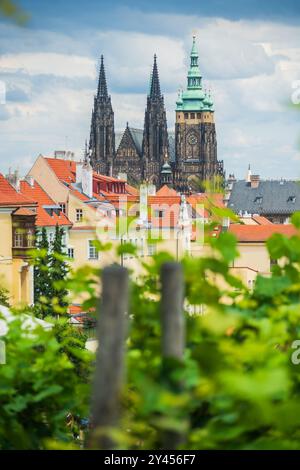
192, 139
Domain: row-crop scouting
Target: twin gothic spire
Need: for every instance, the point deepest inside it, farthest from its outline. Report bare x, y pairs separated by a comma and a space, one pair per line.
154, 144
154, 82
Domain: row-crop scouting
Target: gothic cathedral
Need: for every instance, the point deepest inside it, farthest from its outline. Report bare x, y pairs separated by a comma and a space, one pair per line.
151, 155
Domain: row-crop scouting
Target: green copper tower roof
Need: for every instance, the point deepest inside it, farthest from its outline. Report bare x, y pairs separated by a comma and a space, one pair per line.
193, 98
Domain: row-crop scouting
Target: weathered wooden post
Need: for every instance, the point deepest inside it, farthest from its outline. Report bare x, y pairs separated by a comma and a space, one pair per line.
173, 328
109, 373
173, 325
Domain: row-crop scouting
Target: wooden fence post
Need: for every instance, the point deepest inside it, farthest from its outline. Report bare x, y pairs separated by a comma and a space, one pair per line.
173, 325
109, 373
173, 329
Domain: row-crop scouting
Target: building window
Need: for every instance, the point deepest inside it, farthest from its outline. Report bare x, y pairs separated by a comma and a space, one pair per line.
30, 238
93, 252
19, 239
159, 214
186, 115
198, 116
151, 249
51, 237
62, 207
71, 253
79, 215
192, 115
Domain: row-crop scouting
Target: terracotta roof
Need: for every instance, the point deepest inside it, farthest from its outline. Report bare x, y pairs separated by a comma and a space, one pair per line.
166, 191
110, 179
84, 227
10, 197
24, 211
260, 220
75, 308
65, 170
169, 200
79, 195
44, 219
131, 190
260, 233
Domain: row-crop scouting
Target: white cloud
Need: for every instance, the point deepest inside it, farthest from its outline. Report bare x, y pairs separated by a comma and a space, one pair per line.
250, 66
44, 63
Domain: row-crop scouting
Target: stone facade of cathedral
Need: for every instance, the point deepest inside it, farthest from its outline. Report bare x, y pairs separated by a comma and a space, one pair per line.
182, 159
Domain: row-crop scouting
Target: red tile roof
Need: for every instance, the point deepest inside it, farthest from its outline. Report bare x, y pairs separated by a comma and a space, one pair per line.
24, 211
260, 220
166, 191
131, 190
10, 197
65, 170
260, 233
44, 219
110, 179
79, 195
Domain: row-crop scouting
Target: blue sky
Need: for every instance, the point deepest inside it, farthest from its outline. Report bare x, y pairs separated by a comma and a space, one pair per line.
249, 56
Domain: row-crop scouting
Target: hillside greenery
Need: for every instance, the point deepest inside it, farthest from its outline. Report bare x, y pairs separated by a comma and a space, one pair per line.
237, 387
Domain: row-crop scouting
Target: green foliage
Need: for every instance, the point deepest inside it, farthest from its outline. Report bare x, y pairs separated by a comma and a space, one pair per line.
236, 387
4, 297
58, 269
50, 272
42, 281
39, 389
11, 10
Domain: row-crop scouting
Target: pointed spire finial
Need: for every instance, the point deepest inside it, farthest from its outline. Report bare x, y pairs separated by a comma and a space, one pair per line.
102, 86
155, 86
85, 159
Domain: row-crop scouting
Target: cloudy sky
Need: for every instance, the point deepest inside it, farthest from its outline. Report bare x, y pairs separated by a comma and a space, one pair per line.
249, 56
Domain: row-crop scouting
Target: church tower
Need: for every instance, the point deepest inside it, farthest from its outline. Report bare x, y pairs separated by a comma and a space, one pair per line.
195, 133
102, 136
155, 148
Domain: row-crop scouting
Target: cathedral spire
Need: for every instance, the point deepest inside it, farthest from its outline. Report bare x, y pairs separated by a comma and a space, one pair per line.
194, 75
102, 86
155, 86
102, 136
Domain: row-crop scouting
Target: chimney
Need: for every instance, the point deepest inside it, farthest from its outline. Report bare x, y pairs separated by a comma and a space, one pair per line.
254, 181
79, 166
143, 203
30, 180
248, 175
14, 179
151, 190
87, 179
